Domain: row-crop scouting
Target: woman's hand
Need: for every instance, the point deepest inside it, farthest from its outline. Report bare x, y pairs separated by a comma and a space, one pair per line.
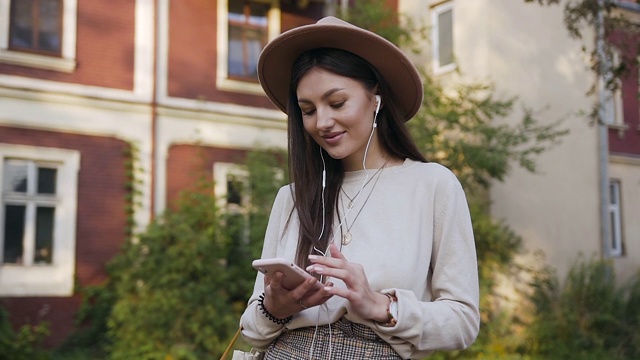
281, 302
365, 302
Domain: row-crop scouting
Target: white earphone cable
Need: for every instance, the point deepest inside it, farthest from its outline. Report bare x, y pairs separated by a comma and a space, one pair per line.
326, 252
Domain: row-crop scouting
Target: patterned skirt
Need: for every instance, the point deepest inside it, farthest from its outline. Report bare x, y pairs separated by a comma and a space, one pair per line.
342, 340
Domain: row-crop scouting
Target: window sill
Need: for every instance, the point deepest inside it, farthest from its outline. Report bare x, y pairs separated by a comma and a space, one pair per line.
49, 280
239, 86
37, 61
446, 69
620, 127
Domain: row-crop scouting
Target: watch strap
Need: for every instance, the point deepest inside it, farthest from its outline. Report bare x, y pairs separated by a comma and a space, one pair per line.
391, 321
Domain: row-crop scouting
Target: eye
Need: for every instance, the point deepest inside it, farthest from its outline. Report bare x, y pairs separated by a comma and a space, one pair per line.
307, 112
337, 105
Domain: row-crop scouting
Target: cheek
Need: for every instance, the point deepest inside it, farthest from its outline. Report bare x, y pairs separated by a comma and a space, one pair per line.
309, 125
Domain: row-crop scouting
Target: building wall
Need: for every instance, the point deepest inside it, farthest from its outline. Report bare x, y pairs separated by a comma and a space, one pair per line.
105, 44
188, 164
524, 51
100, 221
133, 86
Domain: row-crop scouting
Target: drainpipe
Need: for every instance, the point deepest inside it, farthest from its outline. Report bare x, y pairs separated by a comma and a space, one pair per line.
603, 132
154, 113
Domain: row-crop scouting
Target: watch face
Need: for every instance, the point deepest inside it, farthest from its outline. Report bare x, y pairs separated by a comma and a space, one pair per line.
393, 309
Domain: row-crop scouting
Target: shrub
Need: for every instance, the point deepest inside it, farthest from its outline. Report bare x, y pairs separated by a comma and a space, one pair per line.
589, 317
25, 344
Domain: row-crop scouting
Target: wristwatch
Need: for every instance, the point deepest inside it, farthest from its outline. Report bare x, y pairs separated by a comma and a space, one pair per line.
392, 311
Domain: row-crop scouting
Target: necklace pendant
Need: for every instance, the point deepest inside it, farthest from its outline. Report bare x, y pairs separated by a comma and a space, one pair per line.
346, 239
350, 206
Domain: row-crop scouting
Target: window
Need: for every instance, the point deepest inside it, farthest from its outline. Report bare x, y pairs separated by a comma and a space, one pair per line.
232, 190
615, 216
612, 106
37, 220
244, 28
38, 33
247, 36
36, 25
30, 201
442, 38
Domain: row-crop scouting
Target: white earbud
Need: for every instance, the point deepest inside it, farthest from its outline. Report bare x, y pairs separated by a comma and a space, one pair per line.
375, 117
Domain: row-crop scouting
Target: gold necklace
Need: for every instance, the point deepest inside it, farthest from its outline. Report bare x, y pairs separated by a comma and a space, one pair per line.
347, 237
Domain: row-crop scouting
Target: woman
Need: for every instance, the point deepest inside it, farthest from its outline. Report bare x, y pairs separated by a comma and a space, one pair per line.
387, 233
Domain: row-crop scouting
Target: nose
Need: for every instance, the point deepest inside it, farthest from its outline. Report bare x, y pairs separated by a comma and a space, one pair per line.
324, 119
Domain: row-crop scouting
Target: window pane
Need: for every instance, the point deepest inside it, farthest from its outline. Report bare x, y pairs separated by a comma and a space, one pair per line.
15, 176
21, 23
46, 181
14, 217
36, 25
234, 190
248, 26
44, 235
445, 38
50, 29
613, 193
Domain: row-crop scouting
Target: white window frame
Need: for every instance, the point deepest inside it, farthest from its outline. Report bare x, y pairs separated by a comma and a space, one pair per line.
57, 278
222, 73
615, 218
221, 172
435, 38
613, 110
65, 63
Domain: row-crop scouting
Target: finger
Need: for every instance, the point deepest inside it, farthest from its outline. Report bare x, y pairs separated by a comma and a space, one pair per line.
316, 297
307, 286
276, 281
328, 261
326, 271
335, 252
338, 291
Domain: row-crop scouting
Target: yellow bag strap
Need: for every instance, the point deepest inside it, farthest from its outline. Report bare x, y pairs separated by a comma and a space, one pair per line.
233, 341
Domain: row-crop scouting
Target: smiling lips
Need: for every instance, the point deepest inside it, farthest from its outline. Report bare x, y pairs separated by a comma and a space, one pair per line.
333, 138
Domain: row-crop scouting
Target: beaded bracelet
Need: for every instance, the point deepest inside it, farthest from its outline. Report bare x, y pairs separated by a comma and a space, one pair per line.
269, 315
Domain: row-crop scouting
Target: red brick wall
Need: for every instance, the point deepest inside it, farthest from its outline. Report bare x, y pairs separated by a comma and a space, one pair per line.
629, 142
192, 50
188, 164
101, 221
104, 48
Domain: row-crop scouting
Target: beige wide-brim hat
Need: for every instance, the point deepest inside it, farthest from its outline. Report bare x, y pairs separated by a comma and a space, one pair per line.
277, 58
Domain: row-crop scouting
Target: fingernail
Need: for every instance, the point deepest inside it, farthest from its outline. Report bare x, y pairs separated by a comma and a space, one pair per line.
313, 257
327, 288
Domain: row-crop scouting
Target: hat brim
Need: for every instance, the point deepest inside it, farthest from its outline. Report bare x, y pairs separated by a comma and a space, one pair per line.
276, 60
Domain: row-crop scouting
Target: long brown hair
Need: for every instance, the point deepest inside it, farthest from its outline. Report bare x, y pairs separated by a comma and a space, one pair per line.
305, 160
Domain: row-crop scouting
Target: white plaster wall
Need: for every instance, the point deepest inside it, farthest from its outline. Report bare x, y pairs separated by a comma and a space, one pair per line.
211, 129
525, 51
72, 114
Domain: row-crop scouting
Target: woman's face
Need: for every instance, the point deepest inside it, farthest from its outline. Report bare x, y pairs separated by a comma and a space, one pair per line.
338, 113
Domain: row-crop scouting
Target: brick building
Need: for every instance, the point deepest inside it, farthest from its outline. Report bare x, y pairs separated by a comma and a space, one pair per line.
82, 83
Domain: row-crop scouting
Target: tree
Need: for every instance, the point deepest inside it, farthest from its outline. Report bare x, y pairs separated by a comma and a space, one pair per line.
181, 287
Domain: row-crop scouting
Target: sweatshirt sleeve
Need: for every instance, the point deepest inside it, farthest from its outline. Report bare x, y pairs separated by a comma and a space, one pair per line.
451, 319
257, 329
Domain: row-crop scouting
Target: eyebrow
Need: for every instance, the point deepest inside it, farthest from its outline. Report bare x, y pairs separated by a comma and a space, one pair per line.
325, 95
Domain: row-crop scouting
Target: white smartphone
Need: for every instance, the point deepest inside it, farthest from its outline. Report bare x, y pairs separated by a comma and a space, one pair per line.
293, 274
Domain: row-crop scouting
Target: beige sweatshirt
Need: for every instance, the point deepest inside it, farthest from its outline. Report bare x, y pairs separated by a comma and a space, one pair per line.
414, 239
